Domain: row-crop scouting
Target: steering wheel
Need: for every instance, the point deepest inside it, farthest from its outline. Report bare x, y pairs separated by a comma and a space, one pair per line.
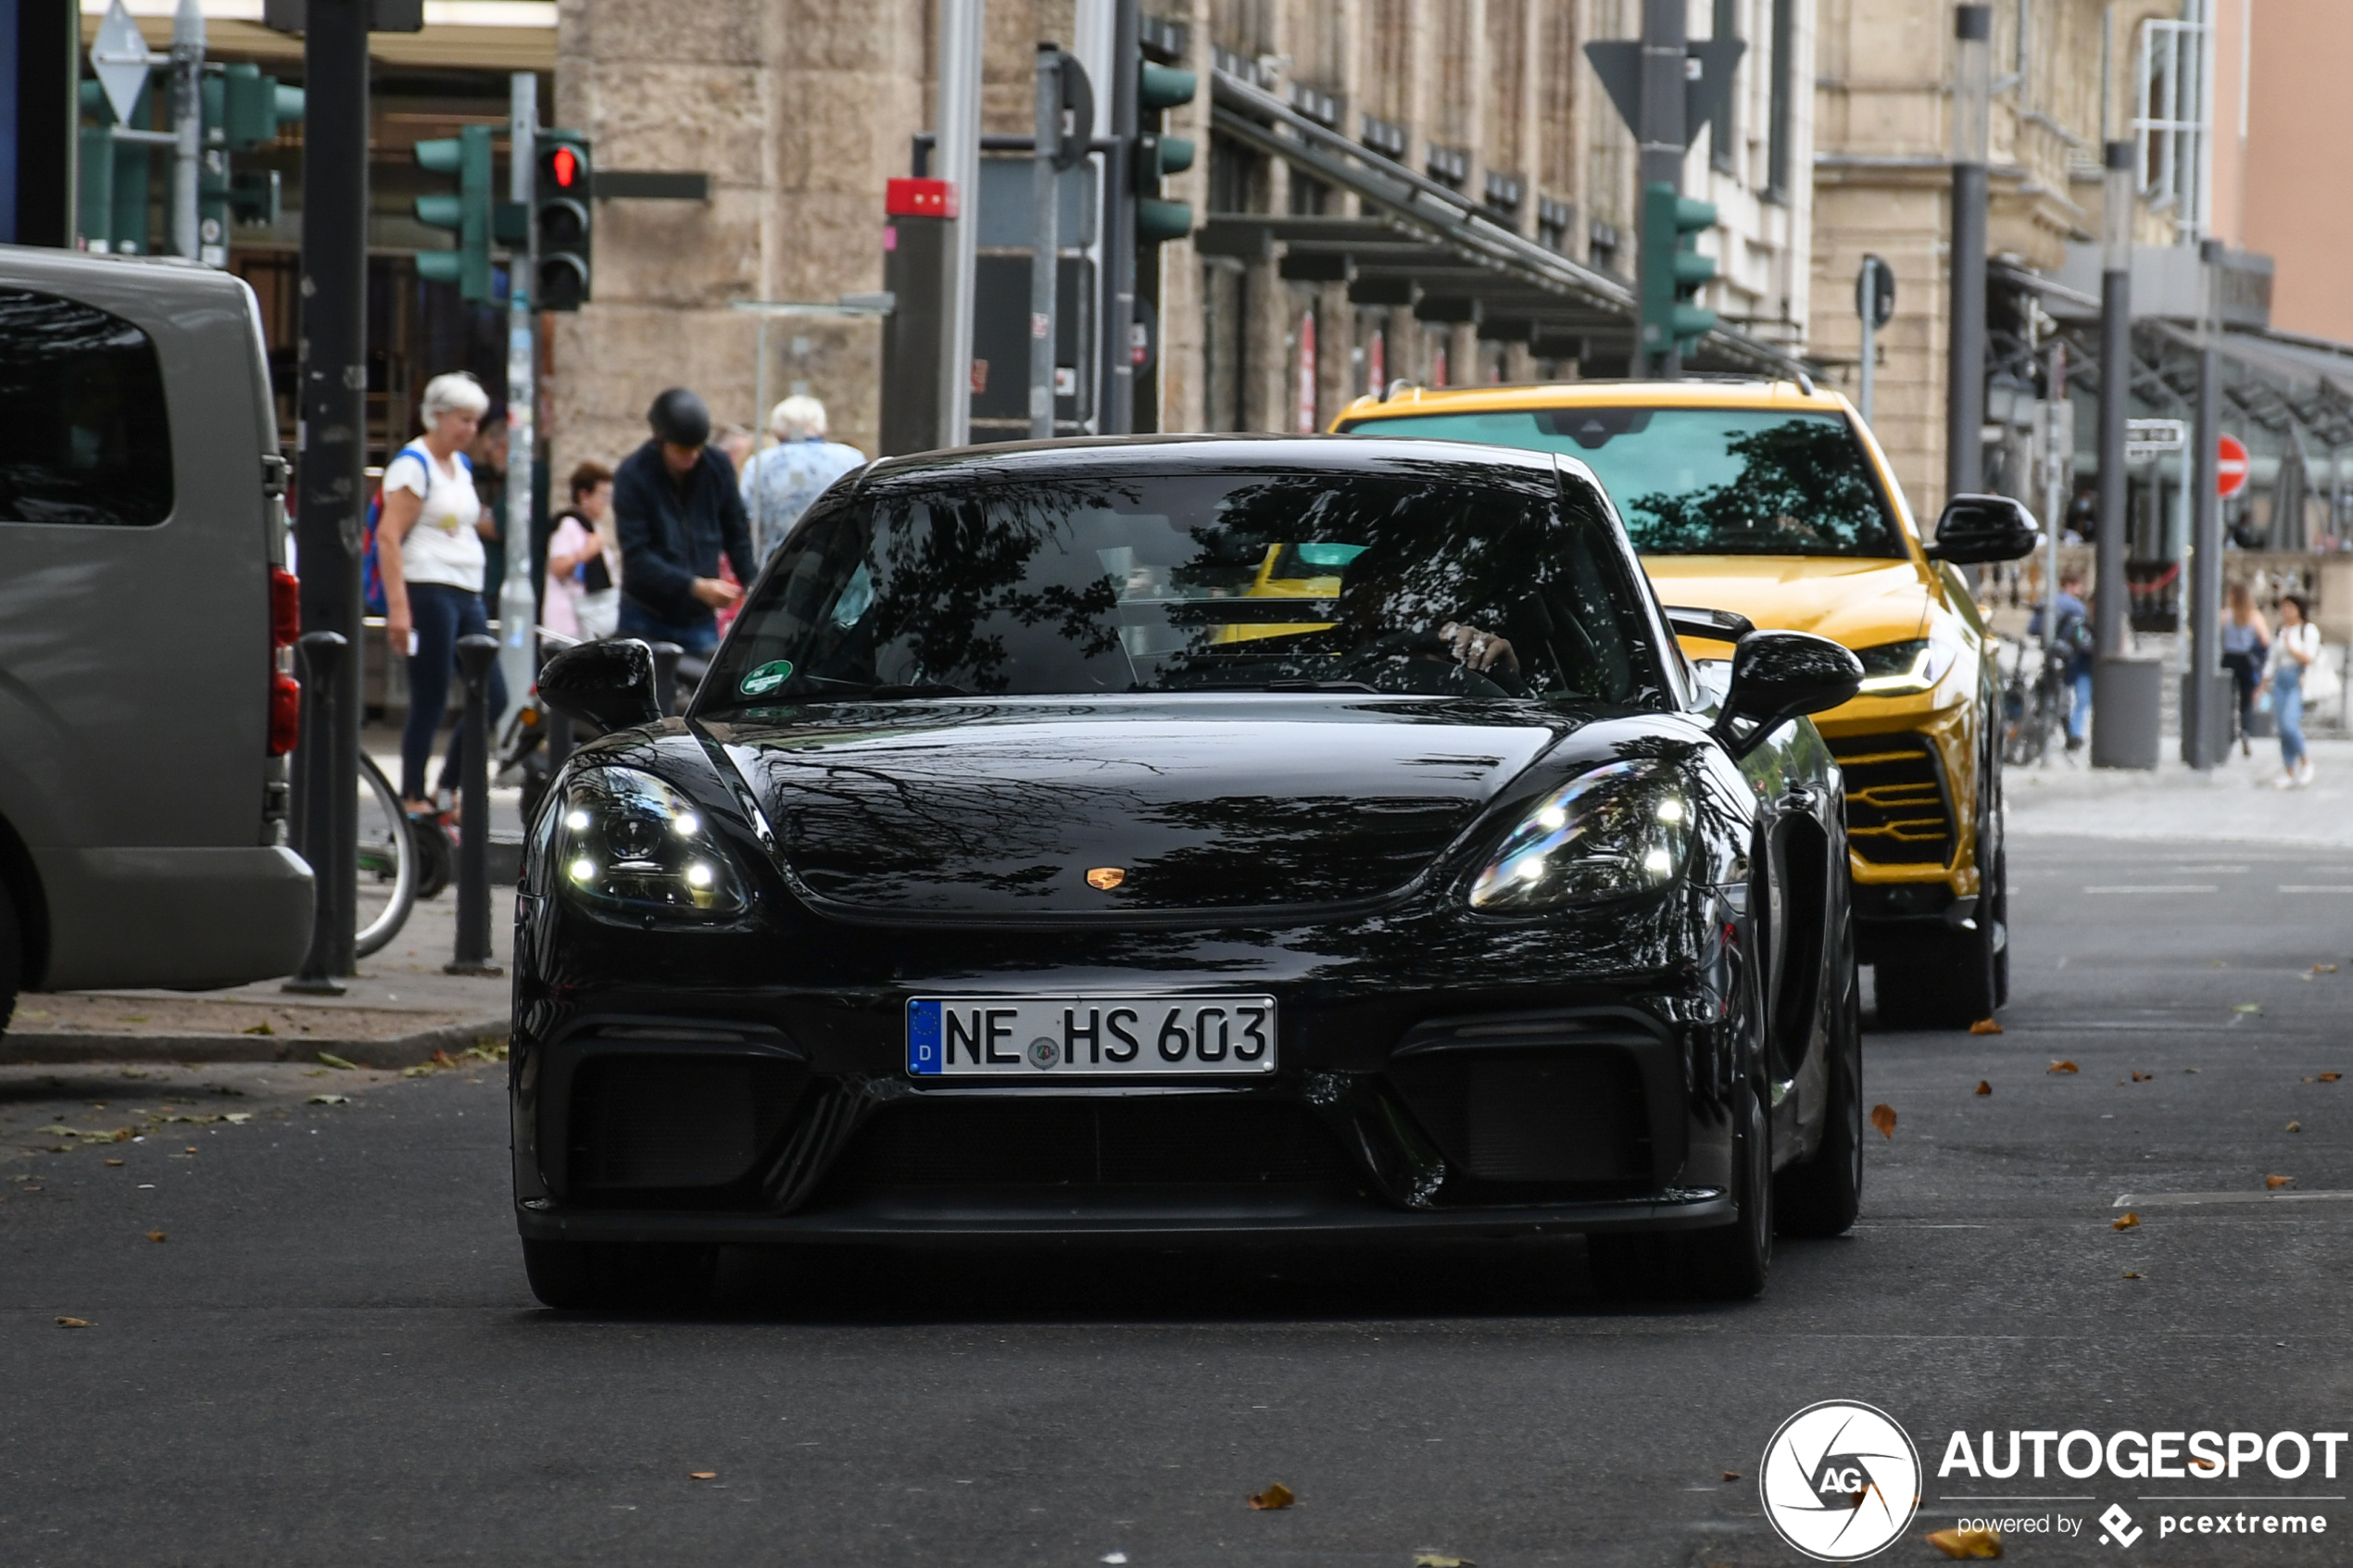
1453, 677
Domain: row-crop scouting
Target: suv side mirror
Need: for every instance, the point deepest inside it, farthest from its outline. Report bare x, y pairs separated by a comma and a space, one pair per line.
606, 685
1984, 528
1777, 676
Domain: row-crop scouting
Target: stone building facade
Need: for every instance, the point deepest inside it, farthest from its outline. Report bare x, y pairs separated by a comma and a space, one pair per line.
800, 110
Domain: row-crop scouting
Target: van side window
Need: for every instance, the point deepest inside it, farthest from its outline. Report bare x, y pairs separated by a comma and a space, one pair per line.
84, 434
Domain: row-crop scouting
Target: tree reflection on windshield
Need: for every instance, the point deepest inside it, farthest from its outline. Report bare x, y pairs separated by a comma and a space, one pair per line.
1382, 582
1802, 491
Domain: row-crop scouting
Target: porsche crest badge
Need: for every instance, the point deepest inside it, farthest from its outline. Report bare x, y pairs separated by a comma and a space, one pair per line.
1105, 878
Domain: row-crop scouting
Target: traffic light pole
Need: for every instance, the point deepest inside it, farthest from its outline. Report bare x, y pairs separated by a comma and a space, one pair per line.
2126, 691
959, 164
1116, 403
330, 454
187, 125
1666, 46
1965, 361
2206, 735
1045, 253
517, 596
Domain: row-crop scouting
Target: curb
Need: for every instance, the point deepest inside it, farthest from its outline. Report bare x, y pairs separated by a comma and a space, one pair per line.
399, 1050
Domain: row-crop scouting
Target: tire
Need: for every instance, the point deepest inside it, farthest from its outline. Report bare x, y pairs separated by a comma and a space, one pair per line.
1723, 1263
11, 957
1822, 1196
388, 862
562, 1274
2001, 928
435, 864
1944, 979
572, 1275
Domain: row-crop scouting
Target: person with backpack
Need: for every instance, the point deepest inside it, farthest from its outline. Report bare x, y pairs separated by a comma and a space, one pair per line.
427, 546
2076, 646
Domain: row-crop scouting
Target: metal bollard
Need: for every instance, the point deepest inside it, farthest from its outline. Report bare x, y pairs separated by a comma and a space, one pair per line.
322, 656
475, 656
666, 657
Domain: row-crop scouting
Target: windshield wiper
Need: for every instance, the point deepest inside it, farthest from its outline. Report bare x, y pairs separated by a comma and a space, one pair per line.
891, 689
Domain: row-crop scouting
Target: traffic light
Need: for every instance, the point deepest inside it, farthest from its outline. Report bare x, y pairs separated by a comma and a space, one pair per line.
1673, 270
467, 213
564, 219
242, 109
1159, 87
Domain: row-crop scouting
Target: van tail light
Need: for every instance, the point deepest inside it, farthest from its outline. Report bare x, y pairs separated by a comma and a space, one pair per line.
285, 712
286, 607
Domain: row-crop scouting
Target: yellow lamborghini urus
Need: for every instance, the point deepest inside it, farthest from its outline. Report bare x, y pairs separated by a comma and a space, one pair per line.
1773, 501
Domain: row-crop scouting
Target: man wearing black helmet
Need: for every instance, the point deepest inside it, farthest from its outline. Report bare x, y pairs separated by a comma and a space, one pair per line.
676, 507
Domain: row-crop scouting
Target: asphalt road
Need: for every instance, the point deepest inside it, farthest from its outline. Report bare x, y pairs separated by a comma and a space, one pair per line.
333, 1359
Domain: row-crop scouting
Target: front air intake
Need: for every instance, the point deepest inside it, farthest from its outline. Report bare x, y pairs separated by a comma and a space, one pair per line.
676, 1121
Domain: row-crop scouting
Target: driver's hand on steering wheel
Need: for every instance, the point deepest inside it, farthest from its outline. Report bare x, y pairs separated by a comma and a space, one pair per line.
1478, 650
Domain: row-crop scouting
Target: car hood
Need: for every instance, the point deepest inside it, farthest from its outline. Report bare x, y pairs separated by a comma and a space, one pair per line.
1003, 807
1860, 603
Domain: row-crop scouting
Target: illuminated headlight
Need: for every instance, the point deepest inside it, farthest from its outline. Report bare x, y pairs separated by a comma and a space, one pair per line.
628, 842
1618, 831
1900, 669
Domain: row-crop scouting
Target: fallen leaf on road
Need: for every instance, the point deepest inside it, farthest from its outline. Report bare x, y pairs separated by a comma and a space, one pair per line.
1276, 1495
73, 1323
2325, 969
1440, 1560
192, 1148
2125, 1222
1731, 1475
2331, 1077
2189, 1069
238, 1117
114, 1162
260, 1028
2273, 1184
1968, 1543
1985, 1026
2144, 1077
2062, 1067
2130, 1275
702, 1476
2248, 1007
155, 1236
2206, 1464
1983, 1088
329, 1099
1883, 1118
2295, 1126
57, 1129
328, 1059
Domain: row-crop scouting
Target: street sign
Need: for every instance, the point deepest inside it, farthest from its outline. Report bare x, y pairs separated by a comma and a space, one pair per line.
2145, 439
119, 54
2230, 466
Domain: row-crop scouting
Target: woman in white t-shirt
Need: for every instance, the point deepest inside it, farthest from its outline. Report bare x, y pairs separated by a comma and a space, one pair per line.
429, 546
2294, 652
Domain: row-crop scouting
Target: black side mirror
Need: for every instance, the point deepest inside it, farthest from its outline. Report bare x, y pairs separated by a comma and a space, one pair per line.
1984, 528
607, 685
1777, 676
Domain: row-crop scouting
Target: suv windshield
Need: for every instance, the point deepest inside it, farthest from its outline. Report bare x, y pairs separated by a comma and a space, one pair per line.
1439, 578
1702, 482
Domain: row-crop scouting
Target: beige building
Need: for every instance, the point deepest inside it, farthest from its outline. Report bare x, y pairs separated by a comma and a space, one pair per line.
1303, 283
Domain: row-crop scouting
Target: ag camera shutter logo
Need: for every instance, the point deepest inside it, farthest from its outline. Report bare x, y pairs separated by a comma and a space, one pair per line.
1839, 1481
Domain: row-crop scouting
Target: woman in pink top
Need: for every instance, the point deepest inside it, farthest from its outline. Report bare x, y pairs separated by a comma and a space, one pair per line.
582, 599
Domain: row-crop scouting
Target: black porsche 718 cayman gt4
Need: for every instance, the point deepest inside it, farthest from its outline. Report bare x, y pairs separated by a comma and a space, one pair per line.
1189, 839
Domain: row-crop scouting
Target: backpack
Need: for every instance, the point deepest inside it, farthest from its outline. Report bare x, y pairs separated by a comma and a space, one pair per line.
2075, 637
371, 577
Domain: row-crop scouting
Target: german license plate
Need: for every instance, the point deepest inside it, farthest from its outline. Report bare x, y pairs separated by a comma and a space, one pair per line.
1088, 1036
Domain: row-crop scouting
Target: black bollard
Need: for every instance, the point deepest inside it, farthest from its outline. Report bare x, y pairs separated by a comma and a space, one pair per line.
322, 656
666, 657
475, 656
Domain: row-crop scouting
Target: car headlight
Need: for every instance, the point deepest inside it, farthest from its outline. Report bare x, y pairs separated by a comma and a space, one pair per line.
1902, 668
1618, 831
628, 842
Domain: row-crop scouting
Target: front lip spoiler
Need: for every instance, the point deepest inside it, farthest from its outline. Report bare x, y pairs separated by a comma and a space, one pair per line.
1312, 1214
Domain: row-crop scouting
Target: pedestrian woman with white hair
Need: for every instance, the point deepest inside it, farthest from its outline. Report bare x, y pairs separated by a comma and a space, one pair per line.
429, 547
780, 482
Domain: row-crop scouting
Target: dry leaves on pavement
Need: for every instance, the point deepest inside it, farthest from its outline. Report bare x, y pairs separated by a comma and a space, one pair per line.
2125, 1222
73, 1323
155, 1236
2273, 1184
2331, 1077
328, 1059
1440, 1560
2062, 1067
1983, 1088
1276, 1495
329, 1100
2295, 1126
1883, 1118
1985, 1026
1968, 1543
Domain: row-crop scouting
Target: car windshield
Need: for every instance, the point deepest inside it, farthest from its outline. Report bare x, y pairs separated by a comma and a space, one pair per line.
1704, 482
1435, 578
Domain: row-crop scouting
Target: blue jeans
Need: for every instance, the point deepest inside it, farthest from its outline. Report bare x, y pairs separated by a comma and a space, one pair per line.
697, 638
2079, 712
441, 615
2287, 712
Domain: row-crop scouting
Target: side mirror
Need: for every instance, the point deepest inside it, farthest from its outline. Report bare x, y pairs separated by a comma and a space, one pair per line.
1777, 676
607, 685
1984, 528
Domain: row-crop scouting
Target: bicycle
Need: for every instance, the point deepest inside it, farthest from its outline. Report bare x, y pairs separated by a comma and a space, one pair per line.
385, 889
2032, 711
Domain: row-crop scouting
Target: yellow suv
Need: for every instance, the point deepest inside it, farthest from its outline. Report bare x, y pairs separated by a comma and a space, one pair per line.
1772, 500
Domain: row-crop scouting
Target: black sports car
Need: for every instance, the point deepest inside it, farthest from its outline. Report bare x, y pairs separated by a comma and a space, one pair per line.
1187, 839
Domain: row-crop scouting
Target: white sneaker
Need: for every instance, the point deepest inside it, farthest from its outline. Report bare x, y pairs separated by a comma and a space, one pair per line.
2286, 781
2304, 774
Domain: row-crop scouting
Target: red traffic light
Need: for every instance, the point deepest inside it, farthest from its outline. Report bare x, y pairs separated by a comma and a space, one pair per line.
565, 166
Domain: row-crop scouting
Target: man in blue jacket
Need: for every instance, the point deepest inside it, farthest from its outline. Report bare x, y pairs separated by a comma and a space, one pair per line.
676, 507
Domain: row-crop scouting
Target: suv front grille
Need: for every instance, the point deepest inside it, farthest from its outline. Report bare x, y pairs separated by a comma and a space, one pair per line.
1899, 811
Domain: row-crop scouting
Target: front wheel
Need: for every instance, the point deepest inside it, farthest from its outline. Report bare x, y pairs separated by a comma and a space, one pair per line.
387, 886
1724, 1263
1822, 1196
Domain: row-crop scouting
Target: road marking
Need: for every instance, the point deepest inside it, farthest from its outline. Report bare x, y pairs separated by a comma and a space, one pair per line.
2194, 1199
2316, 887
2154, 887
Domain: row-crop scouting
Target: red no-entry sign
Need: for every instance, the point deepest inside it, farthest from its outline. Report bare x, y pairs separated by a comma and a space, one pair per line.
2230, 466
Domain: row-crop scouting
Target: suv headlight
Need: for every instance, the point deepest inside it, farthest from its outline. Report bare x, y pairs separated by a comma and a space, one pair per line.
1903, 668
1618, 831
628, 842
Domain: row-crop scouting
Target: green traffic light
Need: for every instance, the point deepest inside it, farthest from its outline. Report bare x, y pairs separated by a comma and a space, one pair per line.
1673, 270
467, 212
1164, 87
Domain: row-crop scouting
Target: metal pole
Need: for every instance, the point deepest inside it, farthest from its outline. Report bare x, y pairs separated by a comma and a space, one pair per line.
187, 124
959, 164
2204, 725
1964, 363
518, 593
331, 446
1116, 413
2054, 485
321, 655
2110, 619
1870, 335
475, 655
1045, 241
1666, 51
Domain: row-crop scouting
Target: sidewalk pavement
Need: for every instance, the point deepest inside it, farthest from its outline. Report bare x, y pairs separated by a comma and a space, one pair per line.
2067, 796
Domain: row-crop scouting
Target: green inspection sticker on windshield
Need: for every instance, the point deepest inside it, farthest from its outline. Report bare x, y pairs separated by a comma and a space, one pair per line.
767, 678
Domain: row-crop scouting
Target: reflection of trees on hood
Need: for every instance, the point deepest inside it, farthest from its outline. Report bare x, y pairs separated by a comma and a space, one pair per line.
1802, 490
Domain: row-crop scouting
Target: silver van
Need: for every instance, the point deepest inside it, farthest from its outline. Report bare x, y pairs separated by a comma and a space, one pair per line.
146, 705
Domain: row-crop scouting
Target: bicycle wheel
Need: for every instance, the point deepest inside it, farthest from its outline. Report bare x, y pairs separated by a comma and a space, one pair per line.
387, 886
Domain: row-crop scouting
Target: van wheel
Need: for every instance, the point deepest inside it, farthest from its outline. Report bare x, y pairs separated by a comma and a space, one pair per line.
1823, 1196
